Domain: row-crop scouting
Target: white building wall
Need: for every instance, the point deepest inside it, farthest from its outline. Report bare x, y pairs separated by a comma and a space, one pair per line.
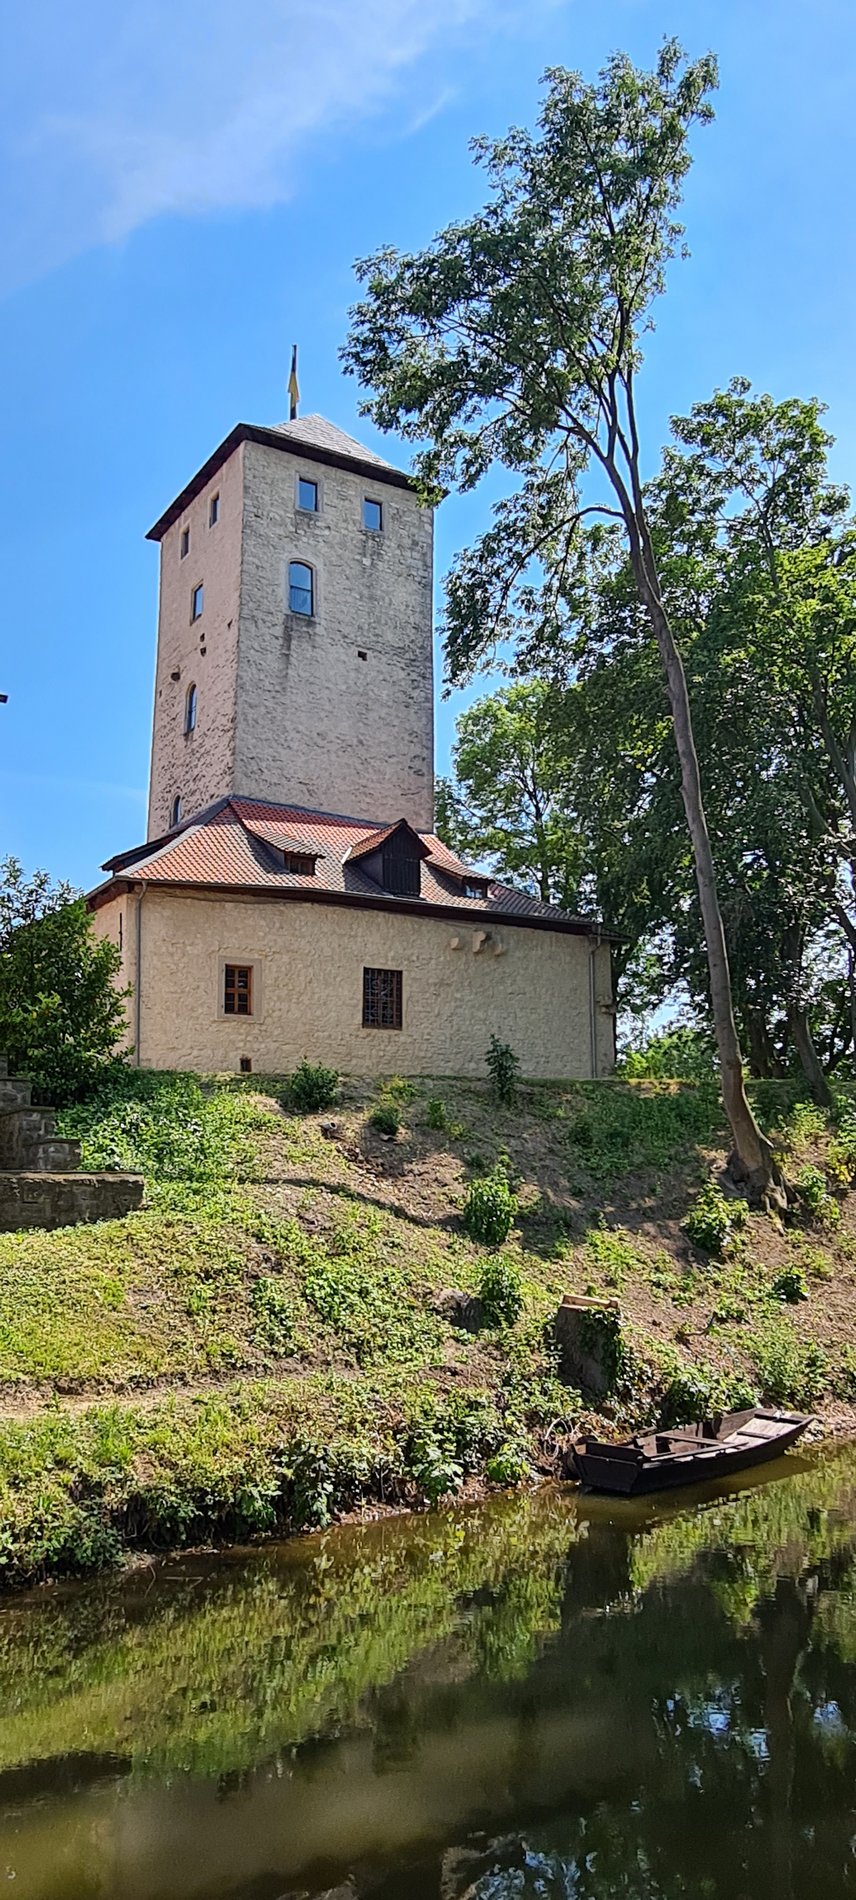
308, 961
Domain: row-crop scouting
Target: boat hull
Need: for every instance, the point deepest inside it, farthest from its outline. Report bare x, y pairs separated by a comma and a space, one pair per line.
632, 1471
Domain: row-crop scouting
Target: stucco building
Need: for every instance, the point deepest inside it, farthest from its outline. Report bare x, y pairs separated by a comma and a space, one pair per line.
291, 899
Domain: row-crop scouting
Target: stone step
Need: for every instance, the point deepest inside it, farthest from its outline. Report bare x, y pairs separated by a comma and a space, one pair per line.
15, 1091
52, 1155
22, 1132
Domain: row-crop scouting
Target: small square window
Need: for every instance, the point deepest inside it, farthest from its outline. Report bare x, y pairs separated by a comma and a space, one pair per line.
213, 511
197, 602
238, 989
372, 516
307, 495
382, 999
184, 545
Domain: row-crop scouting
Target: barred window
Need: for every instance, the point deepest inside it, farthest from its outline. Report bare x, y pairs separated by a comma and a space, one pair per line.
381, 999
238, 989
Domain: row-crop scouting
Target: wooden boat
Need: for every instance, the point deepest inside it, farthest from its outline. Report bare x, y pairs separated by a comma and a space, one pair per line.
656, 1461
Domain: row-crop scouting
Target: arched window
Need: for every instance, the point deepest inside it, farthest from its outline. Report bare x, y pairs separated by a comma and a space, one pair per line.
190, 710
175, 816
301, 588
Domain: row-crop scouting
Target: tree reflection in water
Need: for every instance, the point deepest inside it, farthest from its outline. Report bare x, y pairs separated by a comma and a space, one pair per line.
546, 1697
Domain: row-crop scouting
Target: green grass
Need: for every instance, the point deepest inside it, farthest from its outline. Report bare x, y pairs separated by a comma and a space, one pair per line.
258, 1347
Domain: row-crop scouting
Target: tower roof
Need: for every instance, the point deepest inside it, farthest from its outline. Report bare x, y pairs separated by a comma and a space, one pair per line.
317, 433
310, 436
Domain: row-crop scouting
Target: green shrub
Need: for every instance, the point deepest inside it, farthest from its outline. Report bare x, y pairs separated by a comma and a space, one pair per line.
712, 1221
790, 1285
386, 1118
792, 1371
490, 1208
845, 1383
312, 1087
167, 1126
500, 1291
676, 1054
813, 1189
436, 1114
509, 1465
61, 1017
504, 1069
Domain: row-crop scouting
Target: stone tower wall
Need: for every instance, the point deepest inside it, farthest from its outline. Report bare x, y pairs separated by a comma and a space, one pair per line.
336, 712
198, 765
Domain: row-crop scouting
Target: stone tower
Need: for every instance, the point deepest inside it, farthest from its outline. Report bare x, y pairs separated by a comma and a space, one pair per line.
294, 656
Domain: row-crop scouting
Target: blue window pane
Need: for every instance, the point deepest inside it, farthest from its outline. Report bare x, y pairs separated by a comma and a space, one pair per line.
372, 516
300, 588
197, 602
307, 495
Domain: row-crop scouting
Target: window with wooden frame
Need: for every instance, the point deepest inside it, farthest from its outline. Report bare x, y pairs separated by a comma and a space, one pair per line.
301, 862
382, 997
238, 989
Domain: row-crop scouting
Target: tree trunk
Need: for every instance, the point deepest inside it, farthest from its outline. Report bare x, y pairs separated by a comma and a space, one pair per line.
752, 1160
762, 1058
808, 1056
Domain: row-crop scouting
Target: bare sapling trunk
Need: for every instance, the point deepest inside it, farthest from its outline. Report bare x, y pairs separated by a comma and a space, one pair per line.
809, 1060
752, 1160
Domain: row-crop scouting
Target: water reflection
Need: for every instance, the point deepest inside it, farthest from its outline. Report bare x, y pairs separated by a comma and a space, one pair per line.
543, 1696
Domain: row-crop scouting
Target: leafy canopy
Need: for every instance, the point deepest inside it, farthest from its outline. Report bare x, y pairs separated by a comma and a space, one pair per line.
61, 1016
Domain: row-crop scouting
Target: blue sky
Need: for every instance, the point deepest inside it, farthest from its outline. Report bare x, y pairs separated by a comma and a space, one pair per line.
185, 192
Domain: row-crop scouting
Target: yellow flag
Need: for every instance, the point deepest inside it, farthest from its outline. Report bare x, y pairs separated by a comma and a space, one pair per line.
293, 385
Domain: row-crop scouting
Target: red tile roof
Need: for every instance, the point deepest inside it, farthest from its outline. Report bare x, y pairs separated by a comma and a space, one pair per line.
226, 846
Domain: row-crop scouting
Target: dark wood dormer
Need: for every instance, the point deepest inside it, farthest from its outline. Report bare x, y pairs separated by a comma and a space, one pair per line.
392, 858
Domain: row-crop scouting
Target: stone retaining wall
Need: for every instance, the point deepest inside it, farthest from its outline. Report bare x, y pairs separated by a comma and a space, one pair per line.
40, 1199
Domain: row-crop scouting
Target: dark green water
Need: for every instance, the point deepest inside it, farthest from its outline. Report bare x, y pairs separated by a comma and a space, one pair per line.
546, 1697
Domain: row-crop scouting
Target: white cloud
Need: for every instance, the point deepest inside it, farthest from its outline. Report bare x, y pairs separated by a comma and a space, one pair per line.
111, 116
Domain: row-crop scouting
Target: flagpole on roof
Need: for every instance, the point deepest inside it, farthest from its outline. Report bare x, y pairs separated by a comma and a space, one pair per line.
293, 386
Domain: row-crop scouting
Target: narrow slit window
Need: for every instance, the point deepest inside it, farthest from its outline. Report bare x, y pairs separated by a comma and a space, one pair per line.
184, 544
301, 588
307, 495
190, 710
197, 602
372, 515
238, 989
213, 511
175, 814
382, 992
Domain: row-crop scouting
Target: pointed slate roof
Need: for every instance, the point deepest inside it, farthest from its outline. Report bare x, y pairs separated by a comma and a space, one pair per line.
318, 433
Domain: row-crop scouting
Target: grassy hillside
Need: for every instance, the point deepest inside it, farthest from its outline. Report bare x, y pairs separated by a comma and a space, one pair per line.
261, 1345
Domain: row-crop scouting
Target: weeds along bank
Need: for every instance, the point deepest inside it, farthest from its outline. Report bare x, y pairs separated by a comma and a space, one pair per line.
265, 1345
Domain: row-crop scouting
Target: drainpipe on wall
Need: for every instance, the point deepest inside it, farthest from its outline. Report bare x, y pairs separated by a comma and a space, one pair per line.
594, 946
138, 974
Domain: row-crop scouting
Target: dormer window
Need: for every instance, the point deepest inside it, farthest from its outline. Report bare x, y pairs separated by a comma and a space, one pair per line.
474, 887
301, 589
392, 859
301, 863
400, 874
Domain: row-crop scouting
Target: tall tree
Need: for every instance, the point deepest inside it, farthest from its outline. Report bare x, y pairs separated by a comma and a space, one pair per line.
510, 802
516, 338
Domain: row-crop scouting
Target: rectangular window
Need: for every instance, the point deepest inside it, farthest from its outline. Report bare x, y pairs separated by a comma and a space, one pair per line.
213, 511
301, 589
197, 602
238, 989
372, 516
307, 495
184, 546
297, 862
381, 999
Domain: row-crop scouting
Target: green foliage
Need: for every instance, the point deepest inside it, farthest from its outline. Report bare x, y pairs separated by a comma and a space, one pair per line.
508, 807
274, 1310
500, 1291
504, 1070
813, 1189
490, 1208
619, 1129
386, 1118
712, 1221
437, 1114
61, 1016
681, 1054
790, 1285
791, 1370
170, 1127
312, 1087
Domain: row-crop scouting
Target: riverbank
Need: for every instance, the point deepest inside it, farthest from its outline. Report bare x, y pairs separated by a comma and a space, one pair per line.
264, 1346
